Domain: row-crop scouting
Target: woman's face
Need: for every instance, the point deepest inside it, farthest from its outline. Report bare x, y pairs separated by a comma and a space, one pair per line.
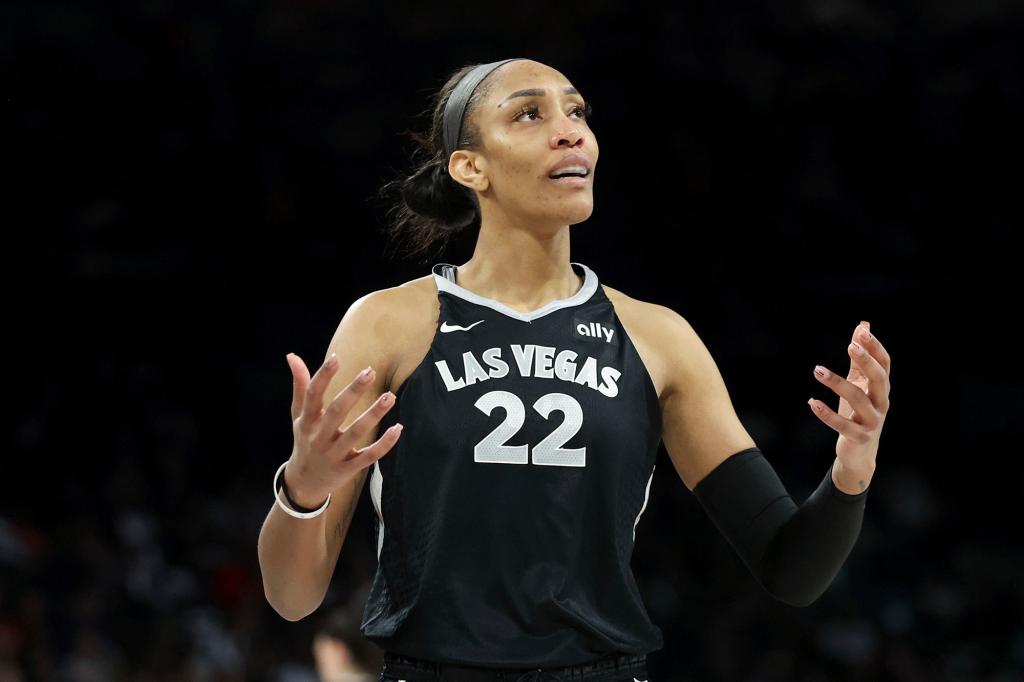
531, 120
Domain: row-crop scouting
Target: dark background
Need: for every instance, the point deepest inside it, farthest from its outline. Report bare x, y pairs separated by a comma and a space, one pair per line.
191, 197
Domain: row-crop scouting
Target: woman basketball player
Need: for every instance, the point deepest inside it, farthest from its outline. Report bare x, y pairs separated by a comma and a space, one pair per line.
535, 400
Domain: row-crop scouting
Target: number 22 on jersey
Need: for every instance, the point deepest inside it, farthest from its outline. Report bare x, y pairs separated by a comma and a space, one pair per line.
492, 449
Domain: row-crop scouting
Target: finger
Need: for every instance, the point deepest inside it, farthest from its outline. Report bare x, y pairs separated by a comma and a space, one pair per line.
878, 378
855, 374
364, 457
300, 379
368, 420
871, 344
854, 395
837, 422
313, 401
336, 412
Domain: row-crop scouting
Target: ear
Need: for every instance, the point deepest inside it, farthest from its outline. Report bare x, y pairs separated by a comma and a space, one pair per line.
467, 168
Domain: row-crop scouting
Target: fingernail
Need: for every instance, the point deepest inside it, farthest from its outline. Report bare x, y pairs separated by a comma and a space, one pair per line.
332, 361
364, 376
857, 348
822, 372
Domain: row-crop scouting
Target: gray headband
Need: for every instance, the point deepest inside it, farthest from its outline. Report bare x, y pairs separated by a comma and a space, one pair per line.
455, 108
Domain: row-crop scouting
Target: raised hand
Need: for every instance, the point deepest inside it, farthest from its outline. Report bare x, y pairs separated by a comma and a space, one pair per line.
863, 404
323, 456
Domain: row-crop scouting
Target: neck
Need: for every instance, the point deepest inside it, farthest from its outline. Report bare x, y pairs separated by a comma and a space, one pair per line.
522, 269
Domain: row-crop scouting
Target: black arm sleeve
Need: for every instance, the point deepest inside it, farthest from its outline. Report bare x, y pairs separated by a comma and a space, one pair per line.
793, 552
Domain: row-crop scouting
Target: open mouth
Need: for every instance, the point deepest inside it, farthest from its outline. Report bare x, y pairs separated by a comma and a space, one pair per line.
574, 179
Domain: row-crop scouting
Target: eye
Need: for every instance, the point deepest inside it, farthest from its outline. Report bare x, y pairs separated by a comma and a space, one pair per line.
531, 109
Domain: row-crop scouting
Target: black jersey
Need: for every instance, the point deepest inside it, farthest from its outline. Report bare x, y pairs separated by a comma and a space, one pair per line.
506, 512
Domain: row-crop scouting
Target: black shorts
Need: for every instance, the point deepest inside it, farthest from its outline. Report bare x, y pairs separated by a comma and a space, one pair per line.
621, 668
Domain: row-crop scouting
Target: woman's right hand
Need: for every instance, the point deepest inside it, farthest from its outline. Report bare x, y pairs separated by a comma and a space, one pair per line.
324, 456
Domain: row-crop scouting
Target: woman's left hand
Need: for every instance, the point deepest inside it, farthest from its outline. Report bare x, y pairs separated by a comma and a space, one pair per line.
863, 404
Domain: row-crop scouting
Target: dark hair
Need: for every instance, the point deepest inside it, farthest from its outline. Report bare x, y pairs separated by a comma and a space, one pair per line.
427, 205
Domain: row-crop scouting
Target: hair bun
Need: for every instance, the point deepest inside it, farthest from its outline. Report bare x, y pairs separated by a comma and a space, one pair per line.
432, 192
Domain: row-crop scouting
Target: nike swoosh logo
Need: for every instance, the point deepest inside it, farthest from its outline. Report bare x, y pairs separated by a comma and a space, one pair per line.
445, 327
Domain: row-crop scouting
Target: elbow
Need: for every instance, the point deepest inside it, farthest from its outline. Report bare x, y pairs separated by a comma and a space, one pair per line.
794, 580
293, 595
800, 600
799, 593
281, 606
287, 611
288, 608
290, 616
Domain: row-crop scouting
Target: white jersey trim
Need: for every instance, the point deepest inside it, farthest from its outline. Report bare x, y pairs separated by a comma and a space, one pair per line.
376, 485
444, 277
647, 495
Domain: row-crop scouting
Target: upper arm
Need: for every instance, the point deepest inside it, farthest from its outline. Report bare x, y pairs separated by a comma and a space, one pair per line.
365, 336
700, 427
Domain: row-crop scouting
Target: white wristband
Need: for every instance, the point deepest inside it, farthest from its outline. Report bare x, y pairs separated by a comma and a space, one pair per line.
290, 511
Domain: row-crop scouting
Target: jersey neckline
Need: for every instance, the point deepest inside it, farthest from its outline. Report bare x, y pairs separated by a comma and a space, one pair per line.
444, 277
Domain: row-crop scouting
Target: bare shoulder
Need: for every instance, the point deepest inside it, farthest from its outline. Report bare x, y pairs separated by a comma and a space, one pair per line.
657, 332
398, 320
397, 302
644, 311
700, 426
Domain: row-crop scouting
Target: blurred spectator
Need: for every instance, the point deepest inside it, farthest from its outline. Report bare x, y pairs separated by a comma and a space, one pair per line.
341, 652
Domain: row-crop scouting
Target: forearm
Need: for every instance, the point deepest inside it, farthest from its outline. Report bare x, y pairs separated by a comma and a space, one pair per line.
793, 552
293, 560
812, 544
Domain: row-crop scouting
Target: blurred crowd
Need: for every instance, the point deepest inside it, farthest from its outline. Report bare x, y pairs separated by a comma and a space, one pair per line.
149, 573
180, 164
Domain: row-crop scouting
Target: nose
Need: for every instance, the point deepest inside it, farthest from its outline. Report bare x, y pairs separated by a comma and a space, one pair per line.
574, 136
